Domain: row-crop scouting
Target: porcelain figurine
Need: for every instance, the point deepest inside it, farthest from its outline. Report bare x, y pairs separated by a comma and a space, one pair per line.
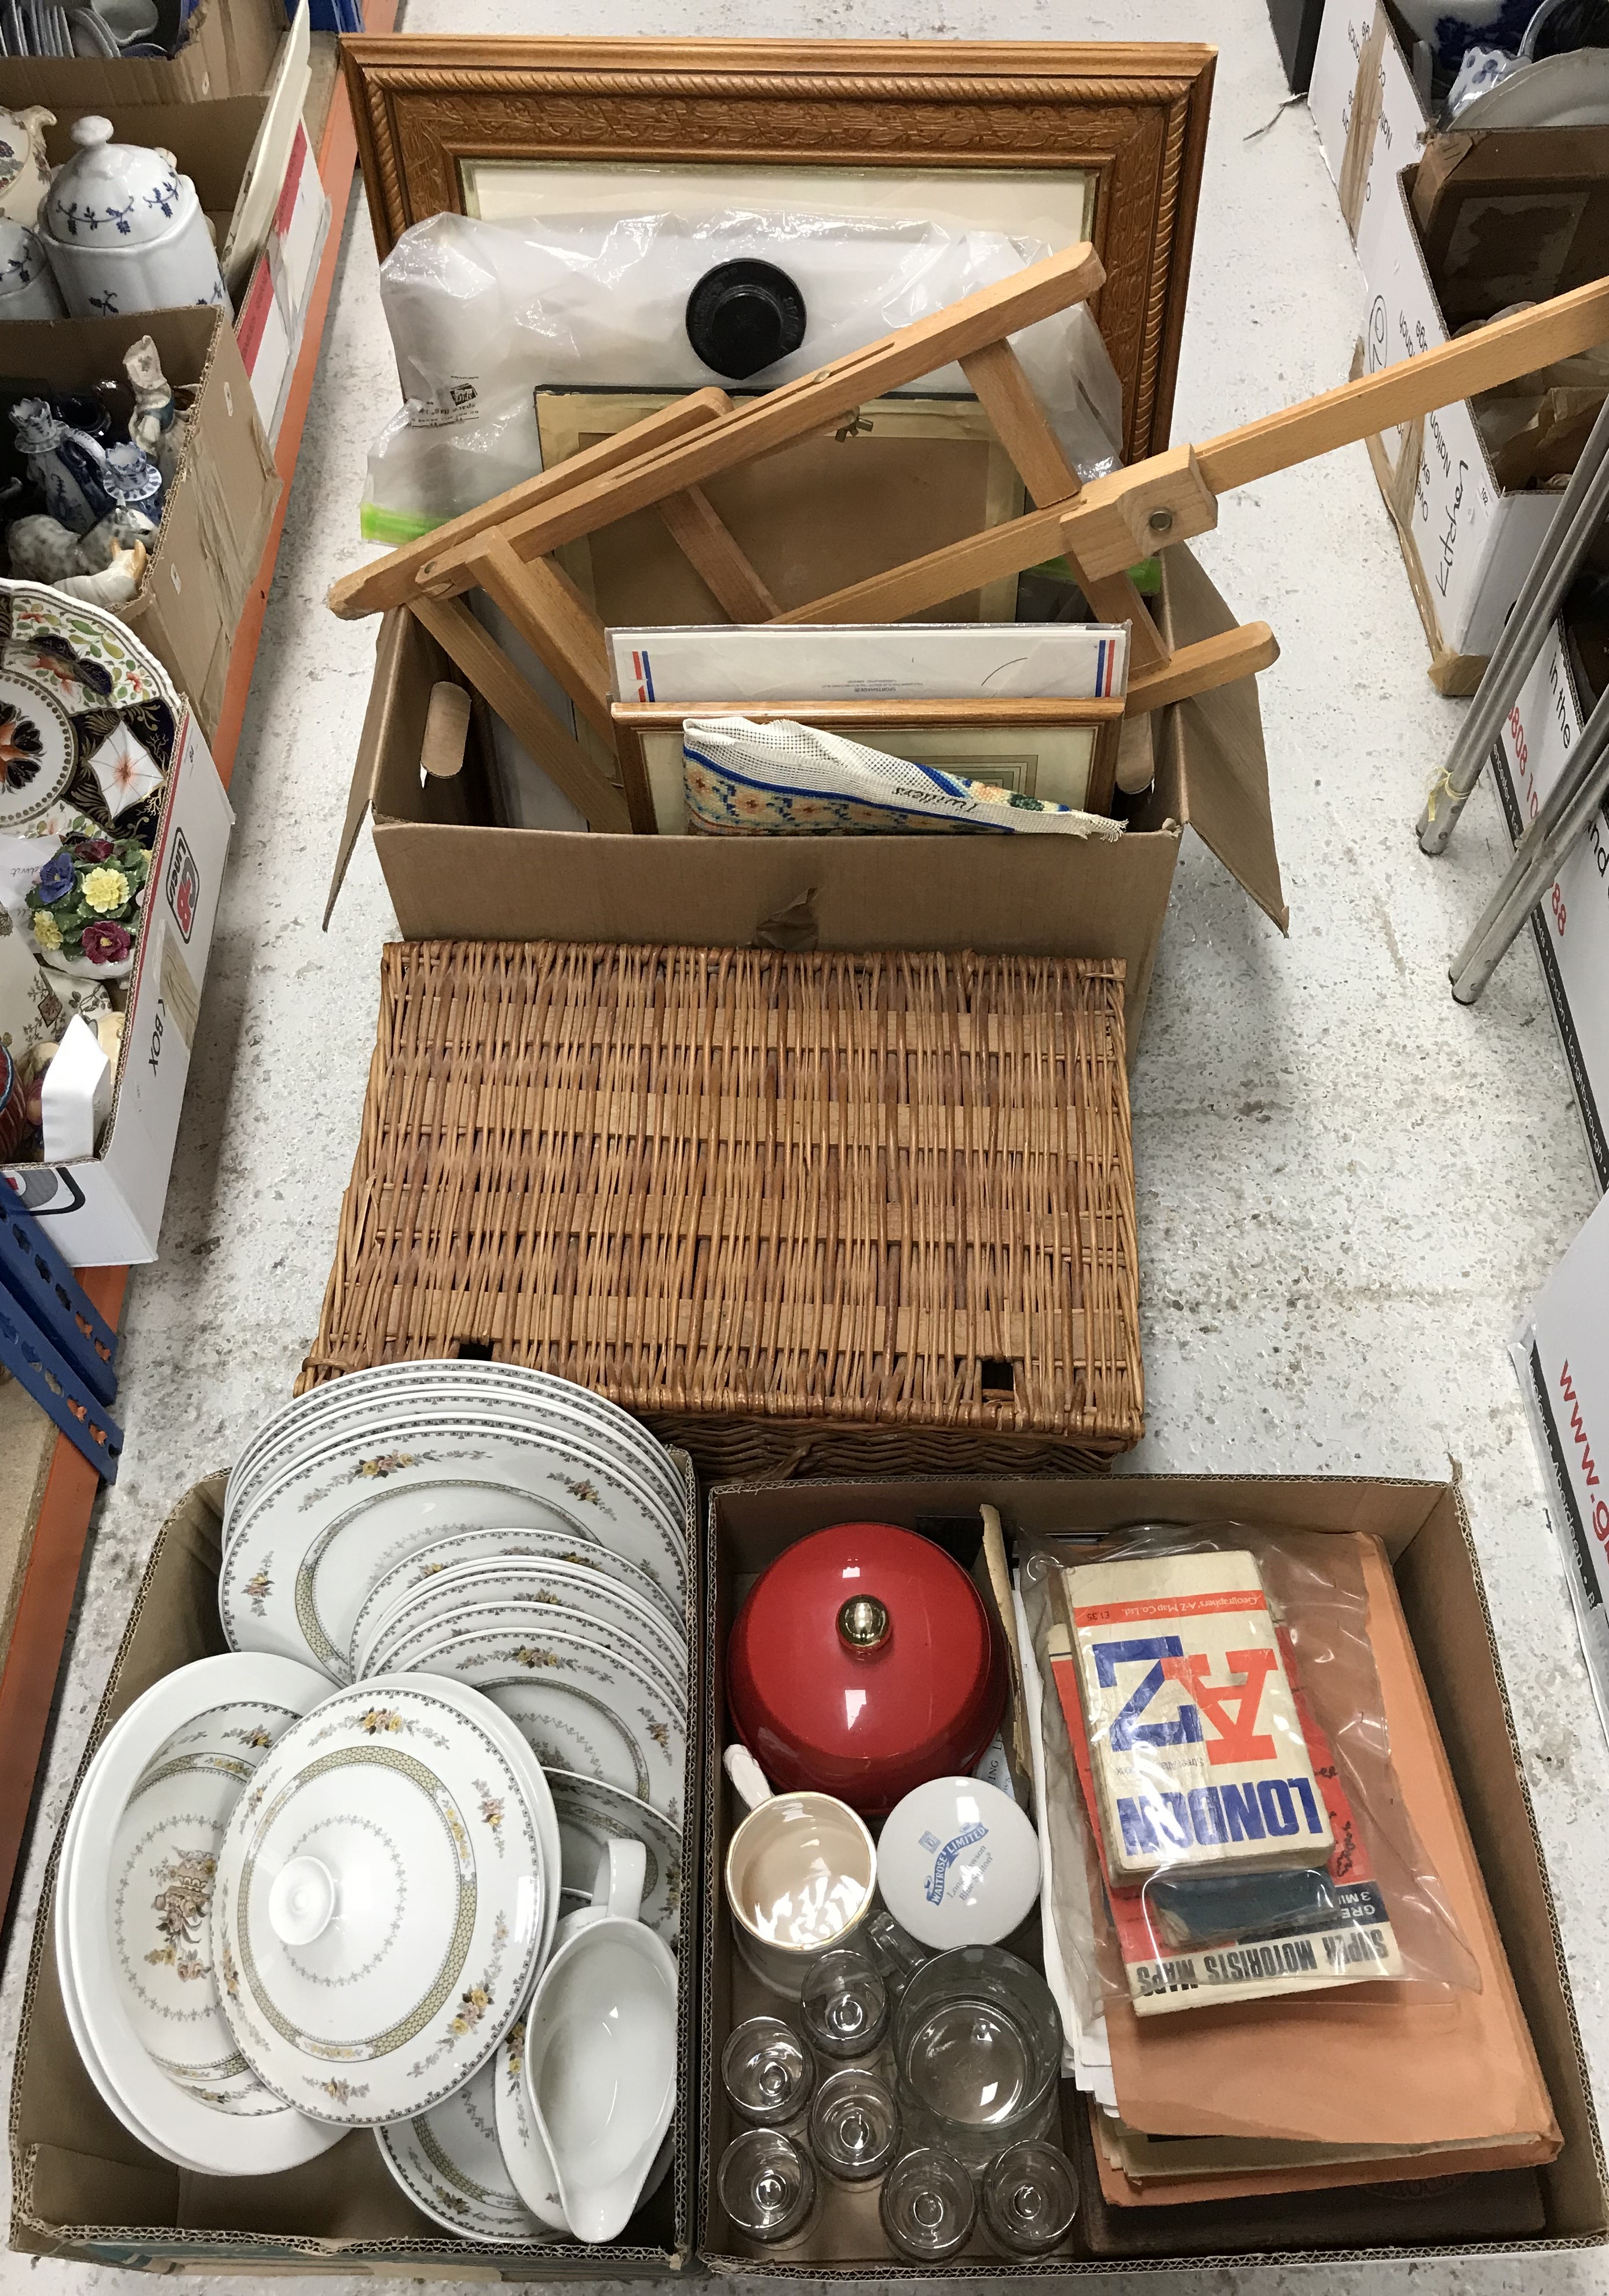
24, 169
28, 285
116, 584
68, 465
43, 550
156, 426
124, 229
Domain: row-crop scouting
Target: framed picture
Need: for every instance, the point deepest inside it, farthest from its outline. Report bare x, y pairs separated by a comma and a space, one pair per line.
824, 511
1053, 142
1063, 751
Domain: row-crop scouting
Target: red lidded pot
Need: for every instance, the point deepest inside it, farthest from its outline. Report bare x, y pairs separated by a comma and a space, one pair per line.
863, 1663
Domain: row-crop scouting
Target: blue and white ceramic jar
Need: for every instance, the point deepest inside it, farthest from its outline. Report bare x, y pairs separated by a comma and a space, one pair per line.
125, 232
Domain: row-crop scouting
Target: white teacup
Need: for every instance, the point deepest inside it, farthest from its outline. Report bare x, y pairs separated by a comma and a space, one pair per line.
800, 1871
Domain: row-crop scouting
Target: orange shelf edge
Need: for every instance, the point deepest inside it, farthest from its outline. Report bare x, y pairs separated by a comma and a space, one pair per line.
33, 1655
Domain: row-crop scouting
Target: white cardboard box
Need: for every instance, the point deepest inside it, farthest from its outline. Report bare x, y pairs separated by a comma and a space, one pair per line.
1392, 118
1572, 921
1562, 1355
1468, 544
106, 1211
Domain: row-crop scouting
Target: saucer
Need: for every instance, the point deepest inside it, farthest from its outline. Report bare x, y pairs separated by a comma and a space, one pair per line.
449, 2163
613, 1615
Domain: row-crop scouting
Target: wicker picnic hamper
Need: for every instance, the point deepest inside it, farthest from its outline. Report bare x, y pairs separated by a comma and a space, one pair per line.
830, 1213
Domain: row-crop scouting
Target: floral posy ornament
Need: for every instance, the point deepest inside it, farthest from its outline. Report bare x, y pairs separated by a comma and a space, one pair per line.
85, 904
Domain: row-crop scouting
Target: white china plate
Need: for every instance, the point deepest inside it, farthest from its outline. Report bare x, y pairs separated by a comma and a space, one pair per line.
402, 1803
163, 1857
444, 1383
174, 2120
493, 1546
580, 1705
589, 1817
449, 2163
1566, 90
296, 1576
521, 1584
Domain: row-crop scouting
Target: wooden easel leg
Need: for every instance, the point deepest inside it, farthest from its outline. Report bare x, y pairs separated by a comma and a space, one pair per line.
717, 556
527, 717
555, 621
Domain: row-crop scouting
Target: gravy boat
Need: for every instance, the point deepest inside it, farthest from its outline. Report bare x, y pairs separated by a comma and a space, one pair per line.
599, 2062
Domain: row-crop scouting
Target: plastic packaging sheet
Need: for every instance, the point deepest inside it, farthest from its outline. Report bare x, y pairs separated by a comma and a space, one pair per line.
481, 314
1212, 1701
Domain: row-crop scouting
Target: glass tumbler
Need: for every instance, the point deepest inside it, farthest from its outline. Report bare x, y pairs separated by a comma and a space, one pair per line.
768, 2071
855, 2126
767, 2185
845, 2006
928, 2206
978, 2053
1030, 2200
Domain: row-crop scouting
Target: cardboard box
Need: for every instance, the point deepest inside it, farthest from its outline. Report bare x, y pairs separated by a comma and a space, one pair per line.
215, 520
106, 1211
236, 151
230, 50
83, 2187
453, 875
1512, 217
1427, 1534
1367, 109
1570, 922
274, 310
1467, 545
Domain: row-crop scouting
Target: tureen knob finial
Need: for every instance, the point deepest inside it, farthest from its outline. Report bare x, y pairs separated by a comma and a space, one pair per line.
91, 130
301, 1901
863, 1622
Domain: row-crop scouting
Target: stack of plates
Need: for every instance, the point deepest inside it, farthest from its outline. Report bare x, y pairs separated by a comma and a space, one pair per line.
457, 1594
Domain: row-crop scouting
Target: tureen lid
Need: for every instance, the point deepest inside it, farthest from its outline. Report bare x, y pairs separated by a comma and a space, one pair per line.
378, 1913
862, 1663
113, 195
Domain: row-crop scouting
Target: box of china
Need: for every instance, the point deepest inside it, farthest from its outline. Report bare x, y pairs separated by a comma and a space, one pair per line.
83, 2187
1425, 1533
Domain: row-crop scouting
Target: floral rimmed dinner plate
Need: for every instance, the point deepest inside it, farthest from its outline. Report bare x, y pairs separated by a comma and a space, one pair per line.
406, 1419
579, 1706
378, 1918
197, 2126
495, 1546
590, 1816
449, 2164
295, 1576
446, 1384
621, 1617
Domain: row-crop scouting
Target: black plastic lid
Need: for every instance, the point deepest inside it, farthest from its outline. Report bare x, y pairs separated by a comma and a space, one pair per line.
743, 317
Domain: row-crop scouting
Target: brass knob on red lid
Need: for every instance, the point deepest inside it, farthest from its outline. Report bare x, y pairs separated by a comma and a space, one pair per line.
863, 1622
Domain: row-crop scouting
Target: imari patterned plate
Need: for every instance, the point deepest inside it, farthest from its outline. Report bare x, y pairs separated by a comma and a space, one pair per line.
379, 1914
71, 674
626, 1621
449, 2163
579, 1705
448, 1385
494, 1546
295, 1575
133, 1929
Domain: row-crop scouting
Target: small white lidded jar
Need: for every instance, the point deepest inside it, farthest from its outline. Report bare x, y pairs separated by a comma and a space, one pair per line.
125, 230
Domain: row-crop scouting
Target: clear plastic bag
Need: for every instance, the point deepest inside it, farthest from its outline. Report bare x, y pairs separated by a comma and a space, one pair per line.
1219, 1771
481, 314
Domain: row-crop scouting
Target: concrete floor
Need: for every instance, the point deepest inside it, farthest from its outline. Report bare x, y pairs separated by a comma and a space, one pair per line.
1349, 1188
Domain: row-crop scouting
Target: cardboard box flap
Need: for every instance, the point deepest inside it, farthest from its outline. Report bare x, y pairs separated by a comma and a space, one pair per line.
392, 661
1218, 754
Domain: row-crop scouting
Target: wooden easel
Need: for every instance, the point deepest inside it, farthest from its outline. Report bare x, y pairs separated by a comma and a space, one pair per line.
1102, 530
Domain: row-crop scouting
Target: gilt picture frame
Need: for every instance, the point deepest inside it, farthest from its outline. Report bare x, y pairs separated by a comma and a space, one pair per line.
1123, 123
